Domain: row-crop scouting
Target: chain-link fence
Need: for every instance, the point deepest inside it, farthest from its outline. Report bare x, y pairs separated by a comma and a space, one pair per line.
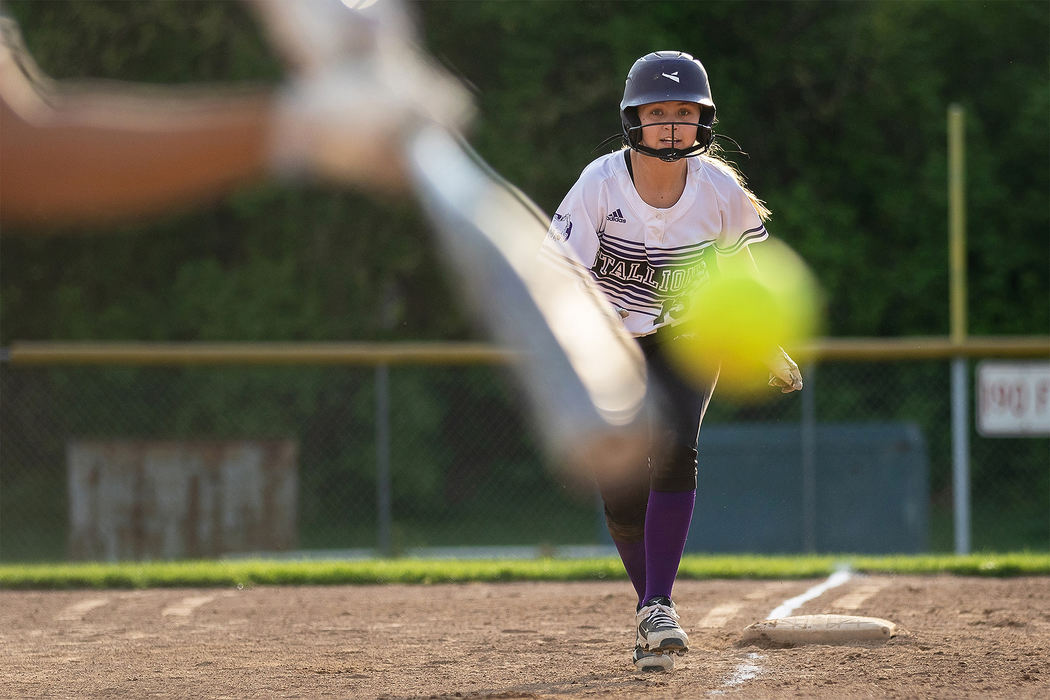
401, 459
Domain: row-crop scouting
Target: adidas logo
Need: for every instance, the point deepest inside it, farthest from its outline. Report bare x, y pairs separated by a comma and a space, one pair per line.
616, 216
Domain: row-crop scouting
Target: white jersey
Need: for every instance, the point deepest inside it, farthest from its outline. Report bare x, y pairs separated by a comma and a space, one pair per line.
643, 258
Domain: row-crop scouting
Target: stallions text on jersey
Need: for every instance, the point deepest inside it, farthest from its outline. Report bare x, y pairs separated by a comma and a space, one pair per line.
647, 260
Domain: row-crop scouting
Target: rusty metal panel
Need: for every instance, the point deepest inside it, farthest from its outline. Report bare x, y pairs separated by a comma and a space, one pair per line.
142, 499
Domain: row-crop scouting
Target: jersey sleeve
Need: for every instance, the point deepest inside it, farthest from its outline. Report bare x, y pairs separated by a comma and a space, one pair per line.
741, 223
572, 239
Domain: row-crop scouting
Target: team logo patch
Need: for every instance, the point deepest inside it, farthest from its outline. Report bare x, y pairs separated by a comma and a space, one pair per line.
672, 76
561, 228
616, 216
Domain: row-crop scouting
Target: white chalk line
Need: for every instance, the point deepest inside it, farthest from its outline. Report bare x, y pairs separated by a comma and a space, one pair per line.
855, 599
77, 611
762, 591
186, 606
719, 615
751, 667
792, 604
745, 671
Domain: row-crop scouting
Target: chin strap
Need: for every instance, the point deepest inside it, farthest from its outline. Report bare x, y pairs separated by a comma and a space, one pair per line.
670, 155
634, 134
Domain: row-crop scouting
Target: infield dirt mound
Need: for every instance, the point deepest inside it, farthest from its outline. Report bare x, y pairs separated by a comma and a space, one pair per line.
959, 638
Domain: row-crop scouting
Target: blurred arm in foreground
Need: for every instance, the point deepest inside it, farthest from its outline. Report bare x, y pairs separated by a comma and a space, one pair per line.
92, 152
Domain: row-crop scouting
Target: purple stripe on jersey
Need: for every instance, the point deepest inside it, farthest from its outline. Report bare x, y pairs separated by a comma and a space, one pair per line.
659, 258
656, 260
749, 236
628, 243
641, 294
628, 296
676, 260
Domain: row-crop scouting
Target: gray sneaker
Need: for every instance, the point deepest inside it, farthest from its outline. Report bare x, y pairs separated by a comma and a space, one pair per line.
651, 660
658, 628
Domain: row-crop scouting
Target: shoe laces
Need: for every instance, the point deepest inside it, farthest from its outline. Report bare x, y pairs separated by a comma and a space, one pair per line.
659, 615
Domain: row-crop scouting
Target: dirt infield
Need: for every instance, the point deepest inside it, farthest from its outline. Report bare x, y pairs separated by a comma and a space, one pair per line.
962, 638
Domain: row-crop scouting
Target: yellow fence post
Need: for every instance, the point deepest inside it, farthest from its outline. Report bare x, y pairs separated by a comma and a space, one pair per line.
957, 282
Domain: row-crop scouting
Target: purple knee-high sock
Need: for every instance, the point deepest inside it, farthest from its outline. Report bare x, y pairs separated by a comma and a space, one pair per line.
666, 526
633, 556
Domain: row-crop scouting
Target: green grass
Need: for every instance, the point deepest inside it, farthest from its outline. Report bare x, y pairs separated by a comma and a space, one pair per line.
422, 571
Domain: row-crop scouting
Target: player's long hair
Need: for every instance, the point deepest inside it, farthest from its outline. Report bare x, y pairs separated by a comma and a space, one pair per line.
713, 156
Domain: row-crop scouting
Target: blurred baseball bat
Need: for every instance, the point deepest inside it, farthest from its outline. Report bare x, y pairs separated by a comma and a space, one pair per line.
581, 371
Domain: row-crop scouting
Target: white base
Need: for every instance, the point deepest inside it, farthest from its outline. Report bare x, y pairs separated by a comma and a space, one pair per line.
821, 629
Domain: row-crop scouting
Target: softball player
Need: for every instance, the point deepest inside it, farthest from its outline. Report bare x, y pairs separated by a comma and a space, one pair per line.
650, 223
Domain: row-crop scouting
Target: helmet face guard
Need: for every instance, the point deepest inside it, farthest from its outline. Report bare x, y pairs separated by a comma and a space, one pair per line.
667, 76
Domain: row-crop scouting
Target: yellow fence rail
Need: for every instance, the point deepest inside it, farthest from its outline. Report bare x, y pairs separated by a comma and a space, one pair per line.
26, 353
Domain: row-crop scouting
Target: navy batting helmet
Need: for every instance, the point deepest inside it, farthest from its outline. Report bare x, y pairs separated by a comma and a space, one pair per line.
664, 76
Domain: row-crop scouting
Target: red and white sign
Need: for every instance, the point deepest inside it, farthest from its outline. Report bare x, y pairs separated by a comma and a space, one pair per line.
1013, 399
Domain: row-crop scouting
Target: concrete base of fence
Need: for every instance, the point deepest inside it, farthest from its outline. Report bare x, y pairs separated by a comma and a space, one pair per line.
142, 499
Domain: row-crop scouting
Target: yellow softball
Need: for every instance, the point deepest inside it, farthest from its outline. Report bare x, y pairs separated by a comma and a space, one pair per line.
737, 319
